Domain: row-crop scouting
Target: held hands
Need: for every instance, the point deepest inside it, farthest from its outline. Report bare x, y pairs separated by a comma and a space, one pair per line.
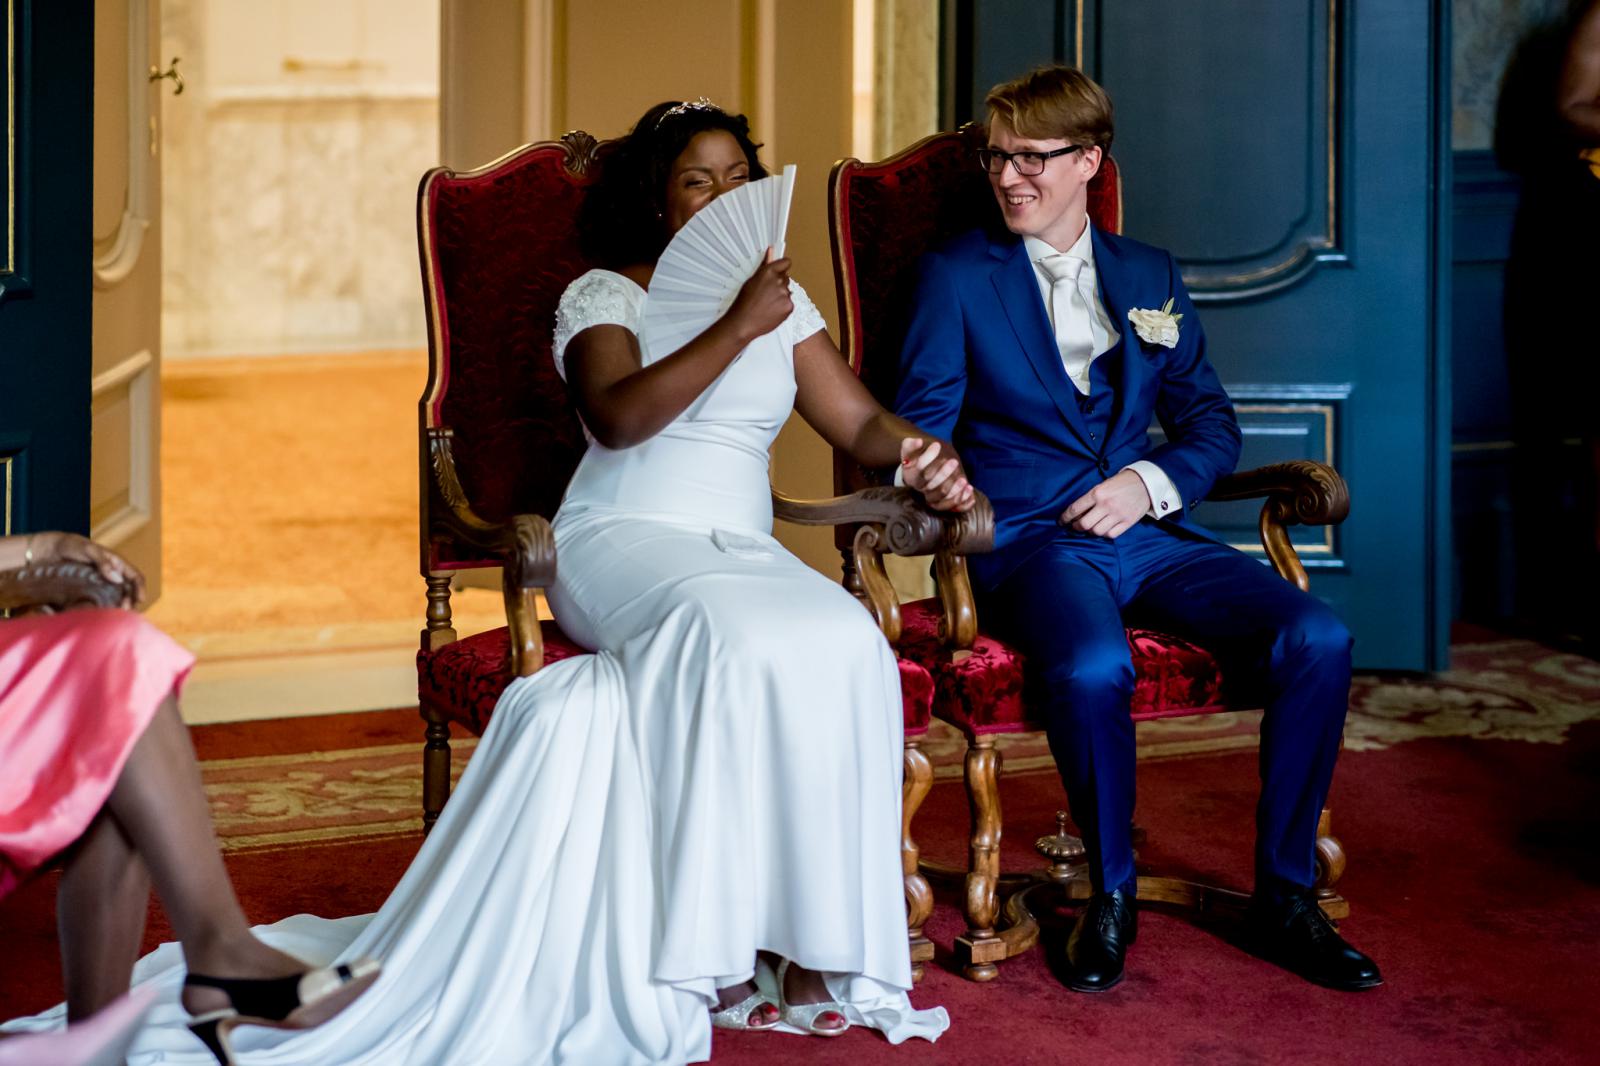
71, 548
1110, 508
763, 301
943, 485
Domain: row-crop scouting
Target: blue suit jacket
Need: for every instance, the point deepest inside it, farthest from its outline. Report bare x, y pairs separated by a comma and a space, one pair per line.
980, 368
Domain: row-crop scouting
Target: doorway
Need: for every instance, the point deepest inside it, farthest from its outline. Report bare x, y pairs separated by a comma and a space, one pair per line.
293, 349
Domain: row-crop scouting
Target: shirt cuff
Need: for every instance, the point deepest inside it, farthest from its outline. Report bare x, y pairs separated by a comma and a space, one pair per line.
899, 475
1164, 498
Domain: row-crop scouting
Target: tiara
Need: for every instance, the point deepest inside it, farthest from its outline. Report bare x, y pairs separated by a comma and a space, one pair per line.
698, 104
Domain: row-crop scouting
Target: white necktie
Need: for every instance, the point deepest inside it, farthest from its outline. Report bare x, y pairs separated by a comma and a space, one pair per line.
1070, 316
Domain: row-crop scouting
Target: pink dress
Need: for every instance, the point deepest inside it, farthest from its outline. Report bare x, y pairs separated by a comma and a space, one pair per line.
76, 692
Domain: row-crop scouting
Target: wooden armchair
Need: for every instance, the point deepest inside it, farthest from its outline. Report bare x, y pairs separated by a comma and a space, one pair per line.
883, 216
499, 440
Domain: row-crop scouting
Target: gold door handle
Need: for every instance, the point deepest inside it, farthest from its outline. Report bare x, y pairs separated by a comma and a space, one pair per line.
156, 74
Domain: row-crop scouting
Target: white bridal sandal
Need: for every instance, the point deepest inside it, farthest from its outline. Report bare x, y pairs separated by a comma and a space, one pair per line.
803, 1016
738, 1015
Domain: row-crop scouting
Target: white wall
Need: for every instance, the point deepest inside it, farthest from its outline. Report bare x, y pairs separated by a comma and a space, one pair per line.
290, 170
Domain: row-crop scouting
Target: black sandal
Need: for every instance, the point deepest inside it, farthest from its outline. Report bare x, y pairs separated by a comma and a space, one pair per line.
300, 1001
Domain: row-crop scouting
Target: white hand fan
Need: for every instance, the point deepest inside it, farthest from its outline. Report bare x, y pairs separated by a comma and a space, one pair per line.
710, 258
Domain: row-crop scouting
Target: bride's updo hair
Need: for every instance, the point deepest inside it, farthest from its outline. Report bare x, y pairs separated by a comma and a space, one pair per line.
622, 218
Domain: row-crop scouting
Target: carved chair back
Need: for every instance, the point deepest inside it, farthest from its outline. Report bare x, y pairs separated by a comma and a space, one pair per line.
884, 216
498, 247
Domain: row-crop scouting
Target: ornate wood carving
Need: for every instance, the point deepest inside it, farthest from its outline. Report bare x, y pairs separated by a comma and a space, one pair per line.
1298, 492
919, 896
877, 593
435, 765
582, 152
439, 631
525, 544
1330, 864
910, 526
978, 949
958, 627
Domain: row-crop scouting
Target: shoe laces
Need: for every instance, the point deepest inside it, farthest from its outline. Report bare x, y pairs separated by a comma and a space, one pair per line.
1304, 911
1105, 915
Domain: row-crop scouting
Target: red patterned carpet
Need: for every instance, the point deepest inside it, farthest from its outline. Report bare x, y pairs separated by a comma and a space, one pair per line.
1469, 803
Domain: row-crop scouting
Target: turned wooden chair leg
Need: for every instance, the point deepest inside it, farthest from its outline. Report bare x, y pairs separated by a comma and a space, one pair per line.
980, 947
1330, 867
435, 766
919, 897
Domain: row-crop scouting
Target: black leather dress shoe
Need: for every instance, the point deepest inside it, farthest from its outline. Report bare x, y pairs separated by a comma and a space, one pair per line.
1294, 933
1099, 942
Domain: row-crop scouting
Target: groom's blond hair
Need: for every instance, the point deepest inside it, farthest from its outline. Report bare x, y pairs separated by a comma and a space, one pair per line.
1051, 102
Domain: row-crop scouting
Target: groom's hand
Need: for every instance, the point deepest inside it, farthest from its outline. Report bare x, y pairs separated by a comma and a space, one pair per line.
942, 484
1110, 508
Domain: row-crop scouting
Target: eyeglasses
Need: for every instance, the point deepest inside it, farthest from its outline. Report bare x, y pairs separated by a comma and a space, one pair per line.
1027, 163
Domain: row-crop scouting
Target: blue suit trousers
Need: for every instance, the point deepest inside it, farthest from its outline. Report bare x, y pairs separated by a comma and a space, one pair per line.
1065, 607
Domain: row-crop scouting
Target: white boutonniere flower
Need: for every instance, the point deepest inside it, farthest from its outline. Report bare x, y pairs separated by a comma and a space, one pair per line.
1156, 327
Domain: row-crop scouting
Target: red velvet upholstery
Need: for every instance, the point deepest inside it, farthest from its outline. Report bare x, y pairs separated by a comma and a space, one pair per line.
464, 679
916, 697
499, 247
989, 692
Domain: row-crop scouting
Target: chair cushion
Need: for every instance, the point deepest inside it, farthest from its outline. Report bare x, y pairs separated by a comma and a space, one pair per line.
916, 696
464, 679
989, 691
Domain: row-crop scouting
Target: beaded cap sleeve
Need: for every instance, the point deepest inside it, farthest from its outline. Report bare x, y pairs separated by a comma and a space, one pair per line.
598, 298
805, 319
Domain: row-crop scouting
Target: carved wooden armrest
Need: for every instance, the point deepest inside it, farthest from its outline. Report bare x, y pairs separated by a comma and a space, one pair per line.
525, 544
50, 587
1299, 492
899, 520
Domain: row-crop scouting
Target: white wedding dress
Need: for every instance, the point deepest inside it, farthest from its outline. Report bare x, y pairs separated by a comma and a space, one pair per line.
722, 776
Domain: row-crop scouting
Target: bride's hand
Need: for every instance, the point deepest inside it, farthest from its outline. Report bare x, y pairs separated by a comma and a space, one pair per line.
943, 484
763, 301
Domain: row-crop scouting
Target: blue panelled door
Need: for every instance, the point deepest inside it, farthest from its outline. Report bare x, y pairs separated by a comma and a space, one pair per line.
46, 96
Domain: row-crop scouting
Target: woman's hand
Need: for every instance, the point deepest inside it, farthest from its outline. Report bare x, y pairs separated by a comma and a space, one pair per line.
763, 301
71, 548
943, 484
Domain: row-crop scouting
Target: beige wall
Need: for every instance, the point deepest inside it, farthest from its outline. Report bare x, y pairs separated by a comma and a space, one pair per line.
291, 165
481, 75
811, 127
905, 75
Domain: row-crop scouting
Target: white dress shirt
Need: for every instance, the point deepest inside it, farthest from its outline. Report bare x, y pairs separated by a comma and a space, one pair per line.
1076, 357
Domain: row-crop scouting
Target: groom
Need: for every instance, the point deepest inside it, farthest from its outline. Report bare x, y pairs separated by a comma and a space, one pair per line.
1042, 353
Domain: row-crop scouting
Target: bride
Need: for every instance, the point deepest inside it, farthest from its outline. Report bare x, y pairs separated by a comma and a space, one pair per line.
699, 824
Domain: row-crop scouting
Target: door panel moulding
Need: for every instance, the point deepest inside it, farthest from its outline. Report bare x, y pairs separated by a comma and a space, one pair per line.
113, 267
132, 382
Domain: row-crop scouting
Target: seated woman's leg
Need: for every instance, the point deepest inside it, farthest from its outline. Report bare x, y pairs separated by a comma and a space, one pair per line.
100, 912
155, 819
160, 805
